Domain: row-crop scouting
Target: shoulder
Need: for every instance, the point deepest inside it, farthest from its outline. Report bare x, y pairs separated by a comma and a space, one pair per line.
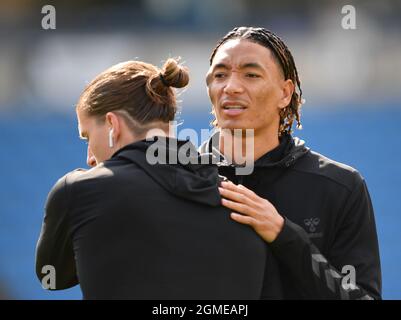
60, 191
318, 165
77, 184
103, 171
106, 176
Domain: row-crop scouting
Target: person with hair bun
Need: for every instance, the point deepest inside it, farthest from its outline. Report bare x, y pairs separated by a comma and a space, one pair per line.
129, 229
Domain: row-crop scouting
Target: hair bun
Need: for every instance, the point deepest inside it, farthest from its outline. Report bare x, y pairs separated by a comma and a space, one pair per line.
173, 74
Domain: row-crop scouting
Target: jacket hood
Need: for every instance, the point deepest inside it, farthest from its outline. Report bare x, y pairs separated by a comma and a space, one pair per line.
176, 166
285, 154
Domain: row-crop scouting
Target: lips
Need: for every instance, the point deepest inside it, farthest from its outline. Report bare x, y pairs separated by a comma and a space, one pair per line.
233, 108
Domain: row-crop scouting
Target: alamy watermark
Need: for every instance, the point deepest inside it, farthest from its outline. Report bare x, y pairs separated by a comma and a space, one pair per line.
49, 20
348, 282
238, 148
49, 280
348, 22
347, 277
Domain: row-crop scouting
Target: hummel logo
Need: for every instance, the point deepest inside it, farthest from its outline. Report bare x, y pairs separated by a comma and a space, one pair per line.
312, 223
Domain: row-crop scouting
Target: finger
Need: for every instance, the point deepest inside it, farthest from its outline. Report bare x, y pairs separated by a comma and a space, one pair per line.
249, 193
238, 207
235, 196
242, 219
228, 185
240, 189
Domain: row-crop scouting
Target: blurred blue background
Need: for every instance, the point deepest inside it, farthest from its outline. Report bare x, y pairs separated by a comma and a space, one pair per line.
351, 81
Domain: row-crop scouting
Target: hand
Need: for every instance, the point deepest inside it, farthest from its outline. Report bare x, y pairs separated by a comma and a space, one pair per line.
252, 210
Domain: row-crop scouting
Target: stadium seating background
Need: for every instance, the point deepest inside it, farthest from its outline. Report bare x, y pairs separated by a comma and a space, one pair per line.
37, 151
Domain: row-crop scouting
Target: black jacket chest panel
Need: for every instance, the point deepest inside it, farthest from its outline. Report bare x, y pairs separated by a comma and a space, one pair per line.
309, 200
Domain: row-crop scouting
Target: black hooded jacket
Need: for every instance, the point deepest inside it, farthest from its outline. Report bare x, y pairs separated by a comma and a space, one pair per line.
329, 228
129, 229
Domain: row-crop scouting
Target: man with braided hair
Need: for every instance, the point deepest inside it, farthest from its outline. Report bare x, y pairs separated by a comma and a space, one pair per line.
315, 213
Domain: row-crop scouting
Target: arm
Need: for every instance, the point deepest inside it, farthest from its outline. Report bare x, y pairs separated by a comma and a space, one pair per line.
272, 289
54, 246
318, 277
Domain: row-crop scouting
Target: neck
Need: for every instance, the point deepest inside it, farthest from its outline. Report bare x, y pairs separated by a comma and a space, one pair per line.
239, 148
152, 130
156, 129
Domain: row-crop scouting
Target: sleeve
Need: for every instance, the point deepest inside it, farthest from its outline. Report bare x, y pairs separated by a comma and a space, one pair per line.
355, 248
272, 289
54, 247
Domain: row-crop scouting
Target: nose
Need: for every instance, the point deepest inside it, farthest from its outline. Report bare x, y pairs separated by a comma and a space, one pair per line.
90, 158
233, 84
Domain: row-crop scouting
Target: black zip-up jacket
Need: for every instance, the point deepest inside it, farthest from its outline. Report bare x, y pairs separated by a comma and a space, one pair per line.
128, 229
329, 223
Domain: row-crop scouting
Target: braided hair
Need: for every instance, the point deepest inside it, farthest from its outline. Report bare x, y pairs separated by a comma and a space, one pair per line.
285, 59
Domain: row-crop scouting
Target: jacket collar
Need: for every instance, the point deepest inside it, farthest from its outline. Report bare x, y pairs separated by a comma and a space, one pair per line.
285, 154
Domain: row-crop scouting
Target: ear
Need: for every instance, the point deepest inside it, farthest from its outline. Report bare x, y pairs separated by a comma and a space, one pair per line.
208, 81
113, 122
209, 76
287, 91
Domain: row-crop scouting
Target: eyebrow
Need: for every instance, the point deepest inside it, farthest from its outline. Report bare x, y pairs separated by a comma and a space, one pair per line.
220, 66
253, 65
247, 65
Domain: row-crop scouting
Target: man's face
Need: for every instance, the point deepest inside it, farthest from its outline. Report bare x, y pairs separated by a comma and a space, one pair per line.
97, 135
245, 86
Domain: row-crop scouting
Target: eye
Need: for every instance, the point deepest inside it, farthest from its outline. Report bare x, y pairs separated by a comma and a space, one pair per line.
219, 75
252, 75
